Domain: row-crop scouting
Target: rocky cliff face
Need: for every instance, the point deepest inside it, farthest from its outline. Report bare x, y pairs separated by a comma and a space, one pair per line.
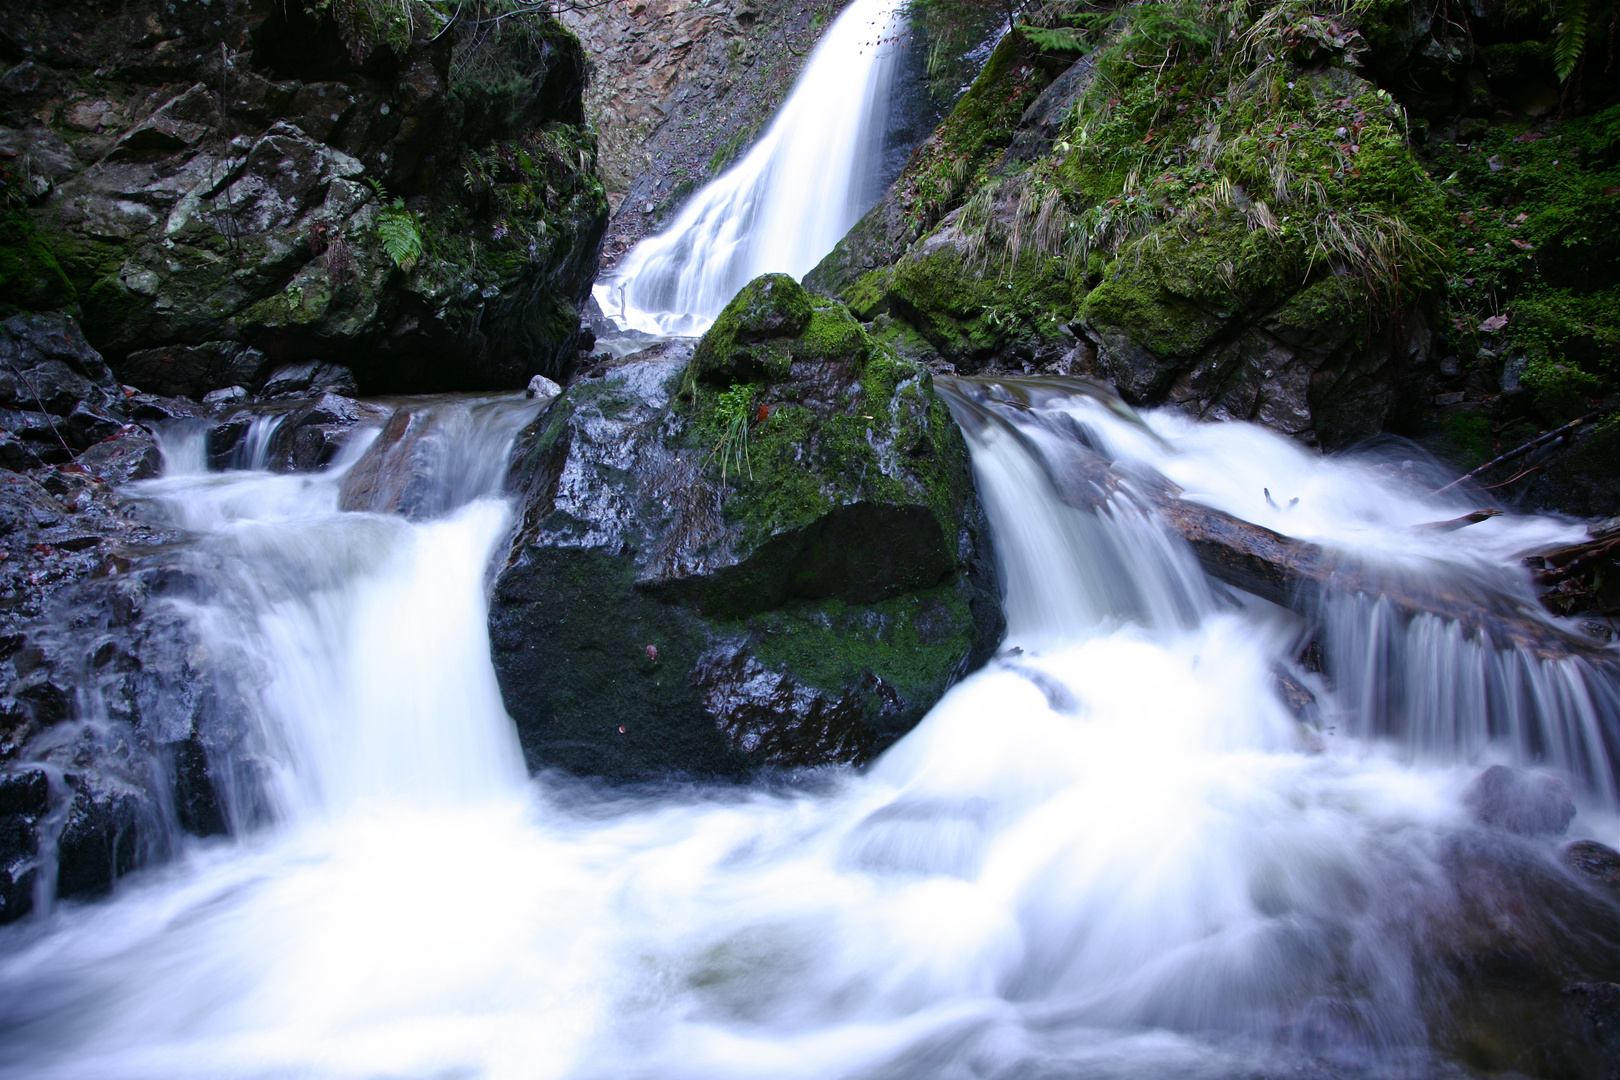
762, 551
255, 181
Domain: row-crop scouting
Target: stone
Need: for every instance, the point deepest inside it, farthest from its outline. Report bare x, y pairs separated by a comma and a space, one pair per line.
227, 396
194, 371
1596, 862
123, 459
1519, 802
542, 387
804, 610
46, 364
199, 232
309, 377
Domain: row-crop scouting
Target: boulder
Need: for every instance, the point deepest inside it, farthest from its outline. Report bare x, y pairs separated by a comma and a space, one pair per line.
309, 377
762, 550
1520, 802
195, 371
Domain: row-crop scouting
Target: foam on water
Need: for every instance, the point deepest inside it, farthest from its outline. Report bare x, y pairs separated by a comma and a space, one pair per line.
1112, 852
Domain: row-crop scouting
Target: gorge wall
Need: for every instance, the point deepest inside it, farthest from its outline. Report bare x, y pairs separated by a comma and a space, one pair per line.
221, 188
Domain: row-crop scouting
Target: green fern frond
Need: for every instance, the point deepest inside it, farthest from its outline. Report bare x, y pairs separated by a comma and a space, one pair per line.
400, 234
1569, 36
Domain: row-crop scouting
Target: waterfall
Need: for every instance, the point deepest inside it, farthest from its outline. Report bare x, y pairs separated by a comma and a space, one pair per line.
790, 199
1115, 851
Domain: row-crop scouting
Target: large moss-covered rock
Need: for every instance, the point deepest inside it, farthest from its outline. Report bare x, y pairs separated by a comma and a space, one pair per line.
423, 210
672, 602
1244, 234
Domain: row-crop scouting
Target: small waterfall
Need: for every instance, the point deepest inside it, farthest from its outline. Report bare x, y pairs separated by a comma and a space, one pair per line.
790, 199
1424, 684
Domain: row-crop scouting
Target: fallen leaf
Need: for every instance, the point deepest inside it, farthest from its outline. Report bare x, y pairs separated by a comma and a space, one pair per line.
1493, 324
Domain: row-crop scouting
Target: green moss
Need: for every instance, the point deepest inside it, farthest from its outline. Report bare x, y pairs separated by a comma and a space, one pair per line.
1535, 228
833, 334
1467, 438
981, 125
30, 276
751, 337
912, 642
1560, 392
967, 314
868, 297
1516, 60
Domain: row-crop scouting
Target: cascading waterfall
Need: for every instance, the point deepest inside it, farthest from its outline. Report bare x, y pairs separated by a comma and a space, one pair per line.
790, 199
1113, 852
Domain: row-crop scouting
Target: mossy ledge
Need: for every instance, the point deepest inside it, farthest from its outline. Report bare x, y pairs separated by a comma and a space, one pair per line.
781, 518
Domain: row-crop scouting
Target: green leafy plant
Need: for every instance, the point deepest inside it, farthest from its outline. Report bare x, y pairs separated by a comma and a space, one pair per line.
1569, 35
733, 411
400, 234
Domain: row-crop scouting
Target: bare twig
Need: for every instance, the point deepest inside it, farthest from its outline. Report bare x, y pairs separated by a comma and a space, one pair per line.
49, 419
1540, 440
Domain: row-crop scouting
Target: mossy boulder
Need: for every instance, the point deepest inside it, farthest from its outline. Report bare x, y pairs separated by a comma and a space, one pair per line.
676, 602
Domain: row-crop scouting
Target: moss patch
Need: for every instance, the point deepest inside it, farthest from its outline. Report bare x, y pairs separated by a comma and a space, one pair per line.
911, 642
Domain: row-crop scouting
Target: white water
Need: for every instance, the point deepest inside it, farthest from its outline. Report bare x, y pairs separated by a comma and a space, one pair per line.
790, 199
1111, 854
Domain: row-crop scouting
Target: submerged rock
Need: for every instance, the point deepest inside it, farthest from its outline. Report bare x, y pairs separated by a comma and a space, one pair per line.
1520, 802
762, 550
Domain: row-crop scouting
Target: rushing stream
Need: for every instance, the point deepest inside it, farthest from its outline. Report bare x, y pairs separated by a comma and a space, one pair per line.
788, 201
1113, 852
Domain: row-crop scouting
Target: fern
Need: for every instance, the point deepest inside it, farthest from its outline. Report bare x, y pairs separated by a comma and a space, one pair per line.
1569, 36
1056, 39
400, 234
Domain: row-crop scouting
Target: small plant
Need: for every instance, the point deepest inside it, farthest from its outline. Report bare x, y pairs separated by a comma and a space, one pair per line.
733, 411
399, 232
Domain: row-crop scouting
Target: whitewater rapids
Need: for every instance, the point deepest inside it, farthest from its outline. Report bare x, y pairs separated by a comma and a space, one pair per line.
1111, 853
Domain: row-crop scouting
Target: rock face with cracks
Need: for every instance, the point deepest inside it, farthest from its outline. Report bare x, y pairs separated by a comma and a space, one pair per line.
222, 189
762, 550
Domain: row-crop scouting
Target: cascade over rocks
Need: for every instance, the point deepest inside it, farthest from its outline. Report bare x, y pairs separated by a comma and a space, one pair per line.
764, 549
226, 190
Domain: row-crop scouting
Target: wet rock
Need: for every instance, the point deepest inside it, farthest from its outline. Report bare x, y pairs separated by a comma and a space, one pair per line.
1596, 862
155, 408
123, 458
310, 377
46, 365
542, 387
1520, 802
213, 184
1600, 1009
230, 395
194, 371
803, 607
101, 837
308, 440
25, 798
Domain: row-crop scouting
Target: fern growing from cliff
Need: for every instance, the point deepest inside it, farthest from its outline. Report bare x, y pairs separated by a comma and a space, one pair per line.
400, 234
